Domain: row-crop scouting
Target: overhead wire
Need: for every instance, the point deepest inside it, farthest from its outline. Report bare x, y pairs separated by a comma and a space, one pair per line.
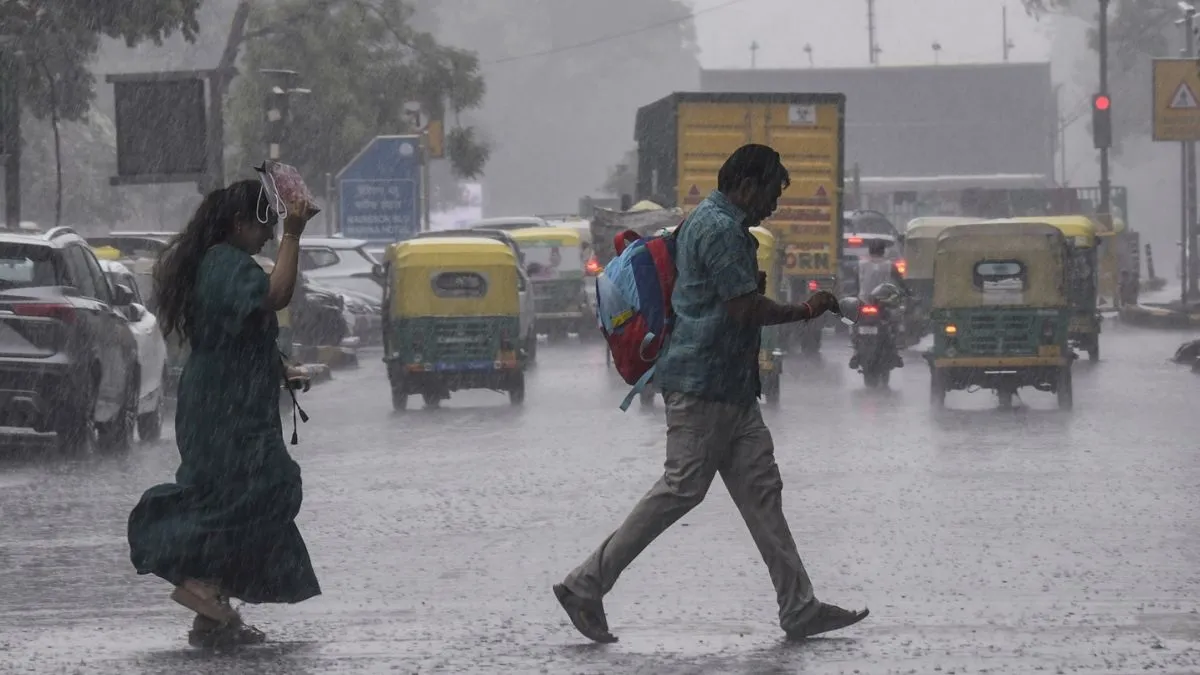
614, 36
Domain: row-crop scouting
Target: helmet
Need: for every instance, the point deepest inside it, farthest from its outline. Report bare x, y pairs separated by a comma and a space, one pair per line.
887, 294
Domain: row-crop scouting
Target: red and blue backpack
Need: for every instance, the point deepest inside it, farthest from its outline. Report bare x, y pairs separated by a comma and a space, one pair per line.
633, 305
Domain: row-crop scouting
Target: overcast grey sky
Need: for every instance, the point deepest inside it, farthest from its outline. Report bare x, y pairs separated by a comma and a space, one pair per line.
968, 30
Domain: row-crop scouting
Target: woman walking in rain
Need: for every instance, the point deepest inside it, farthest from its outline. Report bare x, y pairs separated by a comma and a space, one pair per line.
225, 529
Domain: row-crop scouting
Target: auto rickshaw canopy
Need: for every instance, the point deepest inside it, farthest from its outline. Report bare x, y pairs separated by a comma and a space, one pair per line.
562, 236
455, 276
1037, 249
107, 253
920, 242
1079, 230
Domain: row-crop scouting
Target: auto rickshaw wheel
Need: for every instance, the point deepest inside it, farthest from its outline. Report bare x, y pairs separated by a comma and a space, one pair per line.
1093, 350
399, 398
771, 389
1066, 392
937, 388
1006, 397
516, 389
531, 348
870, 378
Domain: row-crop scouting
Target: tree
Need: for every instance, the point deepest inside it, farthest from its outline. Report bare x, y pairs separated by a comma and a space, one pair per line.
565, 79
362, 62
49, 44
1138, 32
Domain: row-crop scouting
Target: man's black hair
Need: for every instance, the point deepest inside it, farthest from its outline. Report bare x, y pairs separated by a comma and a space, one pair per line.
876, 247
760, 163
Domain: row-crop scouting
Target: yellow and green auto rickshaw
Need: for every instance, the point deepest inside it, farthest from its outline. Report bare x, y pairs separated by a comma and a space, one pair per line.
1000, 311
452, 319
1082, 237
554, 261
770, 349
920, 243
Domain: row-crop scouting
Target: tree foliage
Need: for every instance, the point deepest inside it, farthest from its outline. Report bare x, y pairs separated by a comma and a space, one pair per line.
565, 79
51, 42
362, 61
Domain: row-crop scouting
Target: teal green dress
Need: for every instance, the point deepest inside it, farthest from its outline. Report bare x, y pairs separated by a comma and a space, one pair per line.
230, 514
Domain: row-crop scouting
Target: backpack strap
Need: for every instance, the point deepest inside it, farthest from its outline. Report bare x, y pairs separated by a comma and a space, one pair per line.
637, 388
624, 239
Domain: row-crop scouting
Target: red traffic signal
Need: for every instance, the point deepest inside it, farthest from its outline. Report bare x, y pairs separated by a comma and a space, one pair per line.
1101, 102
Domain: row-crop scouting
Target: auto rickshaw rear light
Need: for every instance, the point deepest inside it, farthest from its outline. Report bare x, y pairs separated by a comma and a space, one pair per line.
902, 267
869, 309
854, 241
951, 329
813, 286
593, 267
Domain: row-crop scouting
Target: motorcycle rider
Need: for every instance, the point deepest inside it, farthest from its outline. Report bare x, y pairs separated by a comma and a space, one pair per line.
888, 297
876, 269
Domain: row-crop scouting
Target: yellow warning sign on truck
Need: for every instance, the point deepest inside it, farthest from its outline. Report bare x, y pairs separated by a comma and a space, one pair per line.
685, 138
1176, 100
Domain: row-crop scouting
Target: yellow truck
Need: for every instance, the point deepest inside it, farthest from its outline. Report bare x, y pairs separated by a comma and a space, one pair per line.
684, 138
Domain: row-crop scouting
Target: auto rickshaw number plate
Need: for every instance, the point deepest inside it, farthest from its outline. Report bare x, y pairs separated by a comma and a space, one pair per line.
868, 330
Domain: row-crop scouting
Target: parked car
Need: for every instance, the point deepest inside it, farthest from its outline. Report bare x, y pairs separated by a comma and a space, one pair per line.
68, 358
134, 244
334, 262
151, 351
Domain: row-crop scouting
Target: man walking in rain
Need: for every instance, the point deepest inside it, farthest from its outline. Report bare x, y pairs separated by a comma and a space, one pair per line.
710, 382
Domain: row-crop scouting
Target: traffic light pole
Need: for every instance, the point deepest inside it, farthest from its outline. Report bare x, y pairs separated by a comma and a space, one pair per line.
1105, 182
1190, 282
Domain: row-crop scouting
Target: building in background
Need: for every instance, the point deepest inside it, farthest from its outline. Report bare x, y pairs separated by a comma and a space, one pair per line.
919, 138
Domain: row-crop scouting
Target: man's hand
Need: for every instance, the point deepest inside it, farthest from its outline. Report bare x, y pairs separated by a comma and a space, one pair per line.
762, 283
823, 301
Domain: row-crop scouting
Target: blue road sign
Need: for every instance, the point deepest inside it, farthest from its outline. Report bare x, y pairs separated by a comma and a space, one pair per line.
379, 191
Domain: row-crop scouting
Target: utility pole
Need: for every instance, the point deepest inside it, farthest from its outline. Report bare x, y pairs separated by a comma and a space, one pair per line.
1191, 212
753, 55
871, 45
1105, 184
10, 137
937, 50
809, 51
1008, 44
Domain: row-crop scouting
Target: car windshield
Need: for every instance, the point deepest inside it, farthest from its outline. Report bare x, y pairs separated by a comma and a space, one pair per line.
28, 266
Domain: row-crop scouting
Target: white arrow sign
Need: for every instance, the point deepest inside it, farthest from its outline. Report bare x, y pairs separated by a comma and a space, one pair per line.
1183, 98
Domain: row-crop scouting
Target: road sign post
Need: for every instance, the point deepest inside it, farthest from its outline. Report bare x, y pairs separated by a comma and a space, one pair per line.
1177, 119
379, 191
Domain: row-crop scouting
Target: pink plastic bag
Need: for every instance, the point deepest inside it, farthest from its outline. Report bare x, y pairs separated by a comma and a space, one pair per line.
284, 188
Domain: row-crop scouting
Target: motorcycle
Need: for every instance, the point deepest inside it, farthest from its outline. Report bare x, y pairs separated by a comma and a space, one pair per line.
876, 336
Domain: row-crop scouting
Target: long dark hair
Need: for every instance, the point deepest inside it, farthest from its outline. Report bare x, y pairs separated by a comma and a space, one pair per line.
212, 223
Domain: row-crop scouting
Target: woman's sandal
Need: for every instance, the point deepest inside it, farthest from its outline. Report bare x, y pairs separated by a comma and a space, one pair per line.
205, 599
209, 634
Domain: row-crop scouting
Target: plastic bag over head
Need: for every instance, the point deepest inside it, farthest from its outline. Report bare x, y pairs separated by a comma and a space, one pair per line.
284, 188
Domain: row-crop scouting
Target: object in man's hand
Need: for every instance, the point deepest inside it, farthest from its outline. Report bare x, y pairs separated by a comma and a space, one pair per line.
285, 188
762, 283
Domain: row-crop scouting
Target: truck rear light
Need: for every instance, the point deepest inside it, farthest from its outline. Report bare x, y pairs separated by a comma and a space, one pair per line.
902, 267
813, 286
62, 312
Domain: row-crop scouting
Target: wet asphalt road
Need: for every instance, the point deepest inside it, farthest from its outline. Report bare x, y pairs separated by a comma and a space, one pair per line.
983, 540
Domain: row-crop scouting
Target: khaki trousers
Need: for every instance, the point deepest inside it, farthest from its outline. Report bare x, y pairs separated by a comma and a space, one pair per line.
705, 438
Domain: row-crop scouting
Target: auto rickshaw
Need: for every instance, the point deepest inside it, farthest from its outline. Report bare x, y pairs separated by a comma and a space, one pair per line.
1000, 311
554, 261
452, 319
920, 242
770, 349
1081, 234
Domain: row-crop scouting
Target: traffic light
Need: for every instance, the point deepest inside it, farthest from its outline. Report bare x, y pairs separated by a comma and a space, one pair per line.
1102, 121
